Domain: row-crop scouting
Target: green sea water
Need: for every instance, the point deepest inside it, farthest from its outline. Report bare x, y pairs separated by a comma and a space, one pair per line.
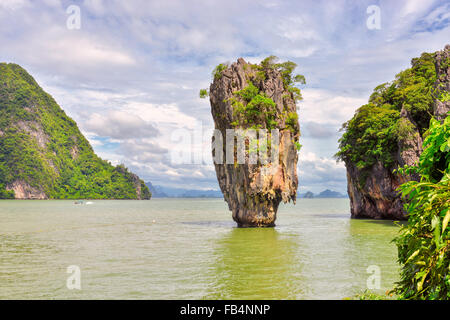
189, 249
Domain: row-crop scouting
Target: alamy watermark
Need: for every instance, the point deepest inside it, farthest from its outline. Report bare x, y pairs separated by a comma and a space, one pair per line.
229, 146
373, 282
73, 21
373, 22
74, 280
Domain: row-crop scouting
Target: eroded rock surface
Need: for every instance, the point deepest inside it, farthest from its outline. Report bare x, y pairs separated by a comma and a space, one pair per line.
443, 82
254, 191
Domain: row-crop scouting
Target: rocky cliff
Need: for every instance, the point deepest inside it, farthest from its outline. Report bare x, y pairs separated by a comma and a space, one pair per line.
43, 154
246, 96
442, 102
388, 132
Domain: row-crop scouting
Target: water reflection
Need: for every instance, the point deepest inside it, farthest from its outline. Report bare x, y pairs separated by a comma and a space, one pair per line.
256, 264
371, 245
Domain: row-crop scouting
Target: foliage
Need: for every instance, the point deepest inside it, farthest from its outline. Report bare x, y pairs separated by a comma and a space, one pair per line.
424, 243
297, 145
255, 108
203, 93
444, 97
369, 295
291, 121
286, 70
41, 146
217, 72
374, 132
370, 136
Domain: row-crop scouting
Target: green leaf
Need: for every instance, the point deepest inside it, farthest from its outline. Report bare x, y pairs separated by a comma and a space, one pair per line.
446, 220
420, 284
413, 255
434, 222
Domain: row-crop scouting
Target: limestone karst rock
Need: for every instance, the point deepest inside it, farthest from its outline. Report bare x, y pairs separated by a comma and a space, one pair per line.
248, 96
442, 62
415, 95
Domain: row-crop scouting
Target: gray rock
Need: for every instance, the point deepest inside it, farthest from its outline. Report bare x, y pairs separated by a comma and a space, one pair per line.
254, 191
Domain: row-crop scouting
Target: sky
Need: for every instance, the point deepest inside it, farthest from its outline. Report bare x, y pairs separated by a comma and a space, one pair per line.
129, 72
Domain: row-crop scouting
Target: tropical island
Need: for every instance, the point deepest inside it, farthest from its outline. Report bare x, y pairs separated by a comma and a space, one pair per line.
43, 154
389, 132
397, 153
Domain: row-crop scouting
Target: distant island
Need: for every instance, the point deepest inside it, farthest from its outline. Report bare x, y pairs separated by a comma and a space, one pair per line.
168, 192
324, 194
43, 154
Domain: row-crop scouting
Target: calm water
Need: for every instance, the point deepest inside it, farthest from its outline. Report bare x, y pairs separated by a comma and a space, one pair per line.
188, 249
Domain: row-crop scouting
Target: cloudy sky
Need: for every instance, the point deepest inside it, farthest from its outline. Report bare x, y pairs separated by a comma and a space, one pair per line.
131, 73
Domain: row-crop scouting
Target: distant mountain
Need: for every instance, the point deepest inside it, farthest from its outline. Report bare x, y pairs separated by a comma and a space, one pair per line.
202, 194
330, 194
156, 191
324, 194
168, 192
308, 195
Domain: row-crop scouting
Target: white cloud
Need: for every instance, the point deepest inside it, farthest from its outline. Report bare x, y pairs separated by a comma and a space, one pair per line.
135, 68
325, 107
161, 113
319, 173
86, 52
13, 4
120, 125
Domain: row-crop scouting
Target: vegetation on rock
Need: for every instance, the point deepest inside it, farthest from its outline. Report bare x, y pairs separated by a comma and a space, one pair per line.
217, 72
372, 135
42, 147
252, 108
257, 97
424, 243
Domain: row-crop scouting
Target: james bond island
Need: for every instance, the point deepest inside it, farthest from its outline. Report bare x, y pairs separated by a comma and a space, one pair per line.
261, 98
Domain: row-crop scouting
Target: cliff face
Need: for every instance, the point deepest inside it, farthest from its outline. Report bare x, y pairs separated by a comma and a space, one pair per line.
43, 155
253, 191
442, 106
372, 189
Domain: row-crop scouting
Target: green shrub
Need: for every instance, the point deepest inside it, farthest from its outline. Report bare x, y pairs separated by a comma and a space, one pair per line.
253, 108
217, 72
286, 70
203, 93
424, 243
444, 97
370, 136
292, 121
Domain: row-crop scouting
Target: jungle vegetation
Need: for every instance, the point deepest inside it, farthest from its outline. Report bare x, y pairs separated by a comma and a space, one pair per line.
252, 108
424, 243
374, 132
42, 146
